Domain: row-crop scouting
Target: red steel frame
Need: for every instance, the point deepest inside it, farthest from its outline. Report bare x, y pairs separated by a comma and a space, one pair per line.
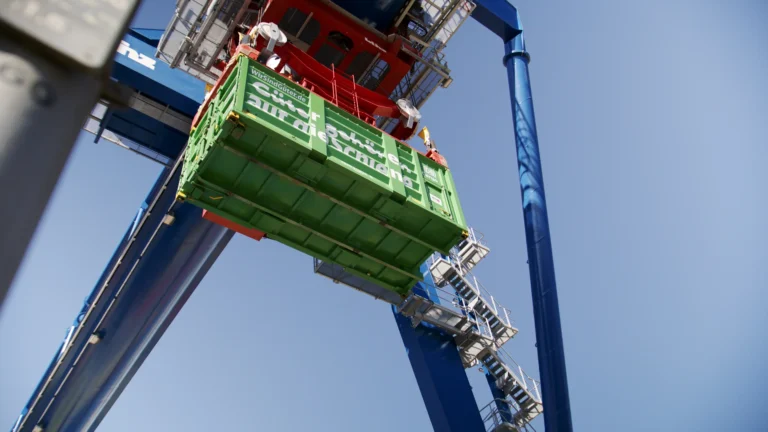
389, 49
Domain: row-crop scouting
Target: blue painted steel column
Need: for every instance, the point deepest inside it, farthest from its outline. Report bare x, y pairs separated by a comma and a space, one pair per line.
499, 398
157, 267
442, 380
549, 336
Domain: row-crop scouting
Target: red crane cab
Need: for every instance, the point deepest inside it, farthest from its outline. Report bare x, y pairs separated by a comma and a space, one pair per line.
337, 56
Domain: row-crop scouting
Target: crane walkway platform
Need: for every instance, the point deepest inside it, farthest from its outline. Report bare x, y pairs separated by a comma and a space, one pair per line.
471, 339
451, 273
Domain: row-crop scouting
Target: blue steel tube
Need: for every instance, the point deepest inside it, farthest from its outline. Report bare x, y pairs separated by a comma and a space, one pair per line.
155, 270
438, 370
549, 336
499, 398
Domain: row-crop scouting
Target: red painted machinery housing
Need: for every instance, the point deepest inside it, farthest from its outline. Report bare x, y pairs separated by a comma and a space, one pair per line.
339, 58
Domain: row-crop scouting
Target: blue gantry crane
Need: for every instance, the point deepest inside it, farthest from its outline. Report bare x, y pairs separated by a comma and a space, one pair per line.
448, 323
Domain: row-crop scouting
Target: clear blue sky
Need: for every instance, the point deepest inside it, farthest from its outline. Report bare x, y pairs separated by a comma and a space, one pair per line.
653, 130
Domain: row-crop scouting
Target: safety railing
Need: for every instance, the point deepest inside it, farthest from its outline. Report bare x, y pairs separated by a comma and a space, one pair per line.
497, 417
502, 312
530, 384
94, 124
448, 298
477, 236
494, 417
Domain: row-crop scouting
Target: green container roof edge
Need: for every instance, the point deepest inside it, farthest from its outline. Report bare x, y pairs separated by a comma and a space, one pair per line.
271, 155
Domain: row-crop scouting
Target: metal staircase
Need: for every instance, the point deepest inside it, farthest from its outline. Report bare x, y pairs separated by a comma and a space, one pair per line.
522, 391
473, 335
467, 311
452, 274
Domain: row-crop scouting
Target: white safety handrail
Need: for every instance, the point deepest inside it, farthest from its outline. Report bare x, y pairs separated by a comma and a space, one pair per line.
448, 298
530, 384
493, 417
502, 312
477, 236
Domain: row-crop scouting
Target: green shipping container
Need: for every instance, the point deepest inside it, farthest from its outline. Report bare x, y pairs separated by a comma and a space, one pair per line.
270, 155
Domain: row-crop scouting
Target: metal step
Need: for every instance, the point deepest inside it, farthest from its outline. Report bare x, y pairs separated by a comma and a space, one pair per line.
497, 417
470, 346
525, 398
448, 273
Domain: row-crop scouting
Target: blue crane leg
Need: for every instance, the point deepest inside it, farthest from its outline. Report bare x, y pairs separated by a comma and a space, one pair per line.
549, 336
502, 19
188, 247
155, 270
441, 377
499, 397
91, 297
439, 372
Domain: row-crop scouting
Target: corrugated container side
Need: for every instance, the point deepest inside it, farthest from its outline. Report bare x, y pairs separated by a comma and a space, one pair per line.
395, 169
275, 157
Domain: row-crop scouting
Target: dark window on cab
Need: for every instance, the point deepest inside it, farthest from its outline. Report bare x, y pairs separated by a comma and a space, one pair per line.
293, 23
359, 65
376, 75
328, 55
